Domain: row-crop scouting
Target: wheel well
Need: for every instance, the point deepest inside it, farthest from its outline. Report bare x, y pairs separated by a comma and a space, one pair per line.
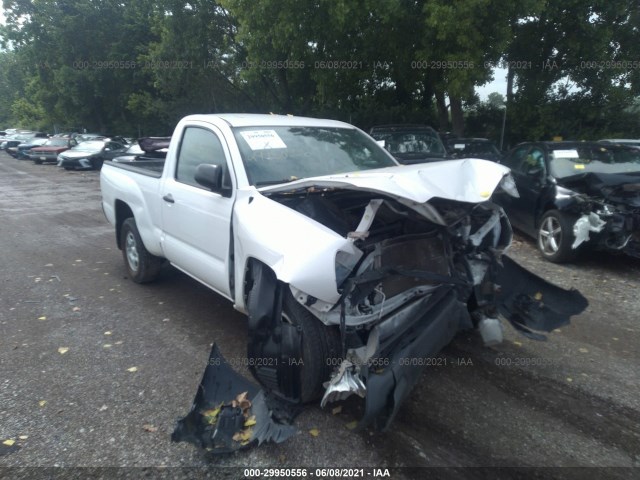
543, 210
249, 269
122, 213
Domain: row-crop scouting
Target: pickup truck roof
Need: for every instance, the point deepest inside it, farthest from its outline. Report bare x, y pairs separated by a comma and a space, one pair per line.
266, 120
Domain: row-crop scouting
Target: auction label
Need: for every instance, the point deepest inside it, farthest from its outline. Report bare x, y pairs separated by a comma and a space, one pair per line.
263, 139
320, 473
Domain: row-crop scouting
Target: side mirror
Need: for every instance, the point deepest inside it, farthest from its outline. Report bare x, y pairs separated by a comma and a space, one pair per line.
210, 176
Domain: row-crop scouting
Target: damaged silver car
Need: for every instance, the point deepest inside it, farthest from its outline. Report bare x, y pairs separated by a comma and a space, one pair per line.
576, 195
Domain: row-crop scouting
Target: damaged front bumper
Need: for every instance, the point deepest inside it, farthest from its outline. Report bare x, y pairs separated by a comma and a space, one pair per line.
404, 342
406, 339
611, 230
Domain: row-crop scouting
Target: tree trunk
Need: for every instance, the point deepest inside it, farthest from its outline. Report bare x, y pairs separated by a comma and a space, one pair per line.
510, 74
443, 111
457, 119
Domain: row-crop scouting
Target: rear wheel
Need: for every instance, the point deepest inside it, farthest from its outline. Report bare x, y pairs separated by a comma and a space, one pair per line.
141, 265
555, 237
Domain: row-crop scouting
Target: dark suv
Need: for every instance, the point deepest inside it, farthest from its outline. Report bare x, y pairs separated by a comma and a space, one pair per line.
410, 143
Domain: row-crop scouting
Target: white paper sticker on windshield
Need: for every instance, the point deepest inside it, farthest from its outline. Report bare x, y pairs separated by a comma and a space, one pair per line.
382, 143
263, 139
566, 154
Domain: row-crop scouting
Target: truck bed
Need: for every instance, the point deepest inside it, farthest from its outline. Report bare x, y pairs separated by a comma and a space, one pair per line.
145, 166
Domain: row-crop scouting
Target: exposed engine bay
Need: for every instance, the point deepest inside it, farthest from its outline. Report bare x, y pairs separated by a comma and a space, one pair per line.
607, 205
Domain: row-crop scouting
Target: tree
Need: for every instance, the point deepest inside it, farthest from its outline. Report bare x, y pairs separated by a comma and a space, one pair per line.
472, 35
580, 68
79, 79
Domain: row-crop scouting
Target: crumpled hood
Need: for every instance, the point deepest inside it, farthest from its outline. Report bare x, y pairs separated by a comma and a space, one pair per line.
615, 187
468, 180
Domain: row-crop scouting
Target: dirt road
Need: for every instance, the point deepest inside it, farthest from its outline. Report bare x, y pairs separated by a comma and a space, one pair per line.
95, 369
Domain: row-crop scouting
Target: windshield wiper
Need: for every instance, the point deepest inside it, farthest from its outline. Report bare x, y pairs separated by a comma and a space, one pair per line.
275, 182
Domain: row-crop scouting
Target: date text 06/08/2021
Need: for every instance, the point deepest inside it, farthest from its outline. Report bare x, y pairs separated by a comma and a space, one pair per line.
317, 473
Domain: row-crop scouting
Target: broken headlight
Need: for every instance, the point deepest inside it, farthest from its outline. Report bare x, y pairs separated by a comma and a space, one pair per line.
508, 184
344, 264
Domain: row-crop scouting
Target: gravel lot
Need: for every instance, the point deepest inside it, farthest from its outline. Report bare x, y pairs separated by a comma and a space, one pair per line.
95, 369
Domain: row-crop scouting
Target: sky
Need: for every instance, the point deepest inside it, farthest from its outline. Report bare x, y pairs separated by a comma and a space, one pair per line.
499, 84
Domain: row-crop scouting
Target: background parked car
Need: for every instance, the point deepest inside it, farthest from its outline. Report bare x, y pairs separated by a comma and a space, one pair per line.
85, 137
21, 137
90, 154
410, 143
575, 193
21, 152
473, 148
50, 150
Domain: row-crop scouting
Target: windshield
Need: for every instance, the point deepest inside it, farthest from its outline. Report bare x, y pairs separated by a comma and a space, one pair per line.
610, 159
23, 137
411, 143
278, 154
474, 148
88, 147
88, 136
57, 142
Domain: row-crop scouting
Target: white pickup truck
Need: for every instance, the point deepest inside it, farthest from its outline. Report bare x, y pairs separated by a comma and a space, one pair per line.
357, 266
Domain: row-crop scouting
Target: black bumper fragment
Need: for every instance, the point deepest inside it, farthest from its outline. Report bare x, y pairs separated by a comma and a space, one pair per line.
531, 304
235, 427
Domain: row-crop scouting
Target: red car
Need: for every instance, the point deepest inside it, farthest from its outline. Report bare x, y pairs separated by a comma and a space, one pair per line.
50, 150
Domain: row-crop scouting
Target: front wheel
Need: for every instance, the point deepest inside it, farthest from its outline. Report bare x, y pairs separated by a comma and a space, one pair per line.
141, 265
320, 347
555, 237
96, 163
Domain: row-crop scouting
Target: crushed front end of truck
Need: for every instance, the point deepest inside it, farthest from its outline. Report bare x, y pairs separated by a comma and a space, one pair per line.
407, 273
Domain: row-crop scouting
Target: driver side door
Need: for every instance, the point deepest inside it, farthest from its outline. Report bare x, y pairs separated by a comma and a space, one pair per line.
196, 222
530, 174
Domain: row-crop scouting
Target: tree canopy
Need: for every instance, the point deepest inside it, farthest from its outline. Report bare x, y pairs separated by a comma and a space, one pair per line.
136, 67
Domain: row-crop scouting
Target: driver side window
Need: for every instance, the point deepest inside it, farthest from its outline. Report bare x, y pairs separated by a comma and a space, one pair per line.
534, 162
199, 146
516, 158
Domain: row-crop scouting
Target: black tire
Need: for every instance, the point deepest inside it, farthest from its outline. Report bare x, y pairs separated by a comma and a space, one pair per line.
96, 163
38, 162
555, 237
142, 266
321, 347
